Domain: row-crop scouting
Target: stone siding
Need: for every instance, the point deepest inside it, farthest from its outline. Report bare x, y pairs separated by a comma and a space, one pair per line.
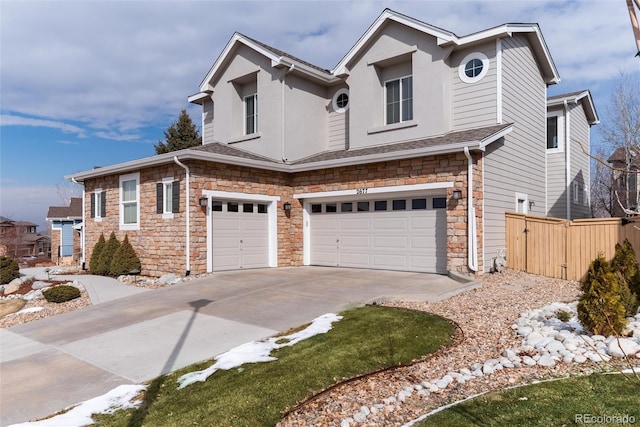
160, 242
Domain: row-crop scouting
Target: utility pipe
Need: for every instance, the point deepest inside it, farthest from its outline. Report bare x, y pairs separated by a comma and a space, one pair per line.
84, 225
186, 209
472, 243
282, 127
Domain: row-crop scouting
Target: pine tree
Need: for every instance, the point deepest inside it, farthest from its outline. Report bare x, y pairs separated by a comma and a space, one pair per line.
104, 260
125, 259
95, 255
600, 309
180, 135
625, 267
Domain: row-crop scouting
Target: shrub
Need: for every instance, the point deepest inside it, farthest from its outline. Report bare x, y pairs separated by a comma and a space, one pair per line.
600, 309
61, 293
95, 255
125, 259
103, 266
625, 267
9, 270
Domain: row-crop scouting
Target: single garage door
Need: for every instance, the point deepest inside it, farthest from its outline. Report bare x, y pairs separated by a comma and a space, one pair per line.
240, 235
406, 234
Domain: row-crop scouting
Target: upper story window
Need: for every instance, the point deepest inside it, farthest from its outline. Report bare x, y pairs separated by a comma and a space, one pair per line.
251, 114
399, 100
340, 101
129, 201
555, 131
473, 67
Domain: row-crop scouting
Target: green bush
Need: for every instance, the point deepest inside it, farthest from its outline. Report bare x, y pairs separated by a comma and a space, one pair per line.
625, 267
103, 266
95, 255
61, 293
600, 309
9, 270
125, 259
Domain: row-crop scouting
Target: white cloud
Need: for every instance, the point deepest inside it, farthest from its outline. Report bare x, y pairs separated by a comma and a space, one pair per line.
119, 66
28, 202
11, 120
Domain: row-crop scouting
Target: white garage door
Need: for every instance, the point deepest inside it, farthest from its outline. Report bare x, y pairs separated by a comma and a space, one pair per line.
407, 234
240, 235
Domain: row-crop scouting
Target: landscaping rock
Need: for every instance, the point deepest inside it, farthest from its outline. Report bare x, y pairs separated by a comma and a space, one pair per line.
13, 286
623, 346
168, 279
546, 361
40, 285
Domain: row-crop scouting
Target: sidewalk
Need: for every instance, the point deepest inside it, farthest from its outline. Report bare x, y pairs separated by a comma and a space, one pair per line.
100, 289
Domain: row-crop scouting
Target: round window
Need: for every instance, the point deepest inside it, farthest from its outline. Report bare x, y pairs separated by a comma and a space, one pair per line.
473, 67
341, 101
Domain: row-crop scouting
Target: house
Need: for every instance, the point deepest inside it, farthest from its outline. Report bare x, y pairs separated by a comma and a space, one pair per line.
626, 168
66, 232
19, 239
405, 156
569, 118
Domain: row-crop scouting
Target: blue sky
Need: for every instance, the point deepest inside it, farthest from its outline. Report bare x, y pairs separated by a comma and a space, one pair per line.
90, 83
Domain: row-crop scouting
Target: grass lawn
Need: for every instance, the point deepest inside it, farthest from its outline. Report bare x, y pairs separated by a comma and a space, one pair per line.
556, 403
366, 339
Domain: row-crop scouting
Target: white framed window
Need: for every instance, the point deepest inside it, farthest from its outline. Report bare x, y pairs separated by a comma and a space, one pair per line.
399, 100
585, 195
130, 201
555, 131
98, 204
251, 114
473, 67
168, 197
340, 101
576, 192
522, 203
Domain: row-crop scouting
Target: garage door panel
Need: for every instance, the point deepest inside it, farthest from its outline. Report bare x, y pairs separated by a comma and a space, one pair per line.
391, 262
355, 259
353, 222
392, 224
427, 221
389, 242
354, 242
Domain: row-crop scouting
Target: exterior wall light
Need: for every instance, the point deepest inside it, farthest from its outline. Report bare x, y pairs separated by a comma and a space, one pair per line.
286, 207
457, 194
203, 201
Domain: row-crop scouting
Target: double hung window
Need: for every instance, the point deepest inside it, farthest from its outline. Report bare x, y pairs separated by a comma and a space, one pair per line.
399, 100
251, 114
129, 202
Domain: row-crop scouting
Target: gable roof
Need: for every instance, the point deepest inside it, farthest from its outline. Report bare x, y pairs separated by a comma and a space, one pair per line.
619, 157
73, 211
447, 38
582, 96
473, 139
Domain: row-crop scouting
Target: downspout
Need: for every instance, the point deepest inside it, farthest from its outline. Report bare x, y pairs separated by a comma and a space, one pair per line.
84, 225
472, 244
186, 208
282, 129
567, 153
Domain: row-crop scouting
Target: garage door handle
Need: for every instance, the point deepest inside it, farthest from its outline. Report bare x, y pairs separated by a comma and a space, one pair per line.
241, 241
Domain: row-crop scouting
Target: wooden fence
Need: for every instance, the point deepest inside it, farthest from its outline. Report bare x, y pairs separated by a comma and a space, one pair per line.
564, 249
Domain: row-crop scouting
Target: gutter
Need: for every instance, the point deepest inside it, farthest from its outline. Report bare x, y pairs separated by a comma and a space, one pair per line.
84, 226
186, 209
472, 244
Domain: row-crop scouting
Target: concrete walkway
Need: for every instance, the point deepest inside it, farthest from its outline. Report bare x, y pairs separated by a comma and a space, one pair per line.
133, 335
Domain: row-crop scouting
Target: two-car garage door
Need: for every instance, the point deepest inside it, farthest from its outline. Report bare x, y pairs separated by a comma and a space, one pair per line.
407, 234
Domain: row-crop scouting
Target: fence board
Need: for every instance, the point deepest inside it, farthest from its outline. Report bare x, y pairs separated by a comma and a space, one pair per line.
564, 249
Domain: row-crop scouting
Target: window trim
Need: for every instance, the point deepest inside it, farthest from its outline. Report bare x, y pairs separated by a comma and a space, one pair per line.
576, 193
470, 57
560, 125
253, 96
98, 204
166, 196
386, 104
122, 179
334, 102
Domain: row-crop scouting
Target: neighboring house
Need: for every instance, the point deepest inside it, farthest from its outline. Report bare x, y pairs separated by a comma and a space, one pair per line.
569, 118
66, 232
405, 156
626, 168
20, 239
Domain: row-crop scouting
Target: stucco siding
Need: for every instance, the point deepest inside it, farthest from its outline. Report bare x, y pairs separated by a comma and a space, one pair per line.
474, 104
516, 164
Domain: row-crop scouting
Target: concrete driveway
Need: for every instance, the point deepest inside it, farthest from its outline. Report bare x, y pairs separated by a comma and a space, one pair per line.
49, 364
